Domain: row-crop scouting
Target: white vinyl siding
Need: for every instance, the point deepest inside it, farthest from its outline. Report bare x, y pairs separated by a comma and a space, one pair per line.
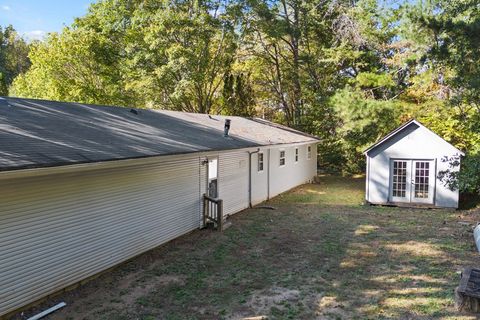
59, 229
291, 174
233, 181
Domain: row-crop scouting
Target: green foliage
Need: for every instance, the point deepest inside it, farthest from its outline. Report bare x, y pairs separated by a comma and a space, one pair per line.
348, 72
287, 43
454, 29
184, 52
74, 66
455, 26
3, 86
237, 95
167, 54
468, 178
13, 57
364, 120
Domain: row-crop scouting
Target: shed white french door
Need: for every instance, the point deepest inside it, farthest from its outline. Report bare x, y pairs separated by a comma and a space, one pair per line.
412, 181
400, 172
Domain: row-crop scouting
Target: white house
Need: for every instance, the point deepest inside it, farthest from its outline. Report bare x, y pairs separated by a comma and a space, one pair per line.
403, 168
85, 187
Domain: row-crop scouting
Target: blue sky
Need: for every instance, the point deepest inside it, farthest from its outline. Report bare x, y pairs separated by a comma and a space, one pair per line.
35, 18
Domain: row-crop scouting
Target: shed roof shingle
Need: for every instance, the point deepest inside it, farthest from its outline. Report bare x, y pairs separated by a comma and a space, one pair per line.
38, 133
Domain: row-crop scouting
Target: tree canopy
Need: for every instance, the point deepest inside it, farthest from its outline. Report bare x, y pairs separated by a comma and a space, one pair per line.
346, 71
13, 57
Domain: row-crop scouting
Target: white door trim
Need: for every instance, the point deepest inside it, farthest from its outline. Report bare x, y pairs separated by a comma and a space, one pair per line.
409, 180
423, 178
399, 186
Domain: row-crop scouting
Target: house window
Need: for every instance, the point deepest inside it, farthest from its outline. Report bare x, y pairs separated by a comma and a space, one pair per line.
260, 162
282, 158
296, 154
309, 152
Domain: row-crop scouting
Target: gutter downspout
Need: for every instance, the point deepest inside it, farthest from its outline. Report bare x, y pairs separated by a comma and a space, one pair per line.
268, 175
250, 176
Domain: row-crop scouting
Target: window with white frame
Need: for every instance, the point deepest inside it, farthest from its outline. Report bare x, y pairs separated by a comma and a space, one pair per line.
260, 162
309, 152
296, 154
282, 158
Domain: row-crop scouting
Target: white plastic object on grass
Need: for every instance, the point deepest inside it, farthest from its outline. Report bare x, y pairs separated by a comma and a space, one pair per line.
476, 236
48, 311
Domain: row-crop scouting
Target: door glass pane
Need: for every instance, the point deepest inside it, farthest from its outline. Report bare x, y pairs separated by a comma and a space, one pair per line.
212, 178
422, 173
399, 182
260, 162
212, 168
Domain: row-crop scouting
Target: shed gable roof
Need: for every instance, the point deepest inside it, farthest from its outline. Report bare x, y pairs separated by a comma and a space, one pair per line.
402, 128
39, 133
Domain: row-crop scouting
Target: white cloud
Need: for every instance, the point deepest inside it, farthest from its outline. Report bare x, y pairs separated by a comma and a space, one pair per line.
35, 35
6, 8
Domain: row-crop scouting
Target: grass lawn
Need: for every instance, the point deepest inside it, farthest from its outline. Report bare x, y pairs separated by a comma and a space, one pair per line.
320, 255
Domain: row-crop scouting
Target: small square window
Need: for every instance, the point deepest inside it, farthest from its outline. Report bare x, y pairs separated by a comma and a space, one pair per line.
260, 162
309, 152
282, 158
296, 154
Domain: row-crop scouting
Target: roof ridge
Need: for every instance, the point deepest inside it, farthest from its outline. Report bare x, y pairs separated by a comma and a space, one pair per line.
282, 127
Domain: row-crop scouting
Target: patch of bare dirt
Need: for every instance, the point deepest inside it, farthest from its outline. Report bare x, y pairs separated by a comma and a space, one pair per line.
321, 307
329, 308
131, 289
137, 290
261, 302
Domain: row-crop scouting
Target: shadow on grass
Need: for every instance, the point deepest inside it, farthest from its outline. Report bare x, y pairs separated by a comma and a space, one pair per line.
266, 253
402, 269
469, 201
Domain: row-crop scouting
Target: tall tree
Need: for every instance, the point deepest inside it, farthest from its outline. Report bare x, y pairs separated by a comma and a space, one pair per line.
78, 65
289, 39
237, 95
168, 54
454, 30
182, 52
13, 57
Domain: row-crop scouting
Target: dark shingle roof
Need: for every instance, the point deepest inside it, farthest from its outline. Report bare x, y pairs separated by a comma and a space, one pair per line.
38, 133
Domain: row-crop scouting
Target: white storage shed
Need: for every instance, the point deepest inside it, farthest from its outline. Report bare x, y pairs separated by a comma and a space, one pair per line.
85, 187
403, 167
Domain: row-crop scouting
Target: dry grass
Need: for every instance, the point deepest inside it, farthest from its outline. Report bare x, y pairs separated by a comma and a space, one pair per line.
320, 255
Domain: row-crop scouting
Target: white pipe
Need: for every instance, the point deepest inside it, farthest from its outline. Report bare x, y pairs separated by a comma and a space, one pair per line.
48, 311
250, 176
476, 236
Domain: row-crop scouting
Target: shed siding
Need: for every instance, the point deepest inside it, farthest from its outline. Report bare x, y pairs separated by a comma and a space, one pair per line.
233, 181
412, 143
59, 229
